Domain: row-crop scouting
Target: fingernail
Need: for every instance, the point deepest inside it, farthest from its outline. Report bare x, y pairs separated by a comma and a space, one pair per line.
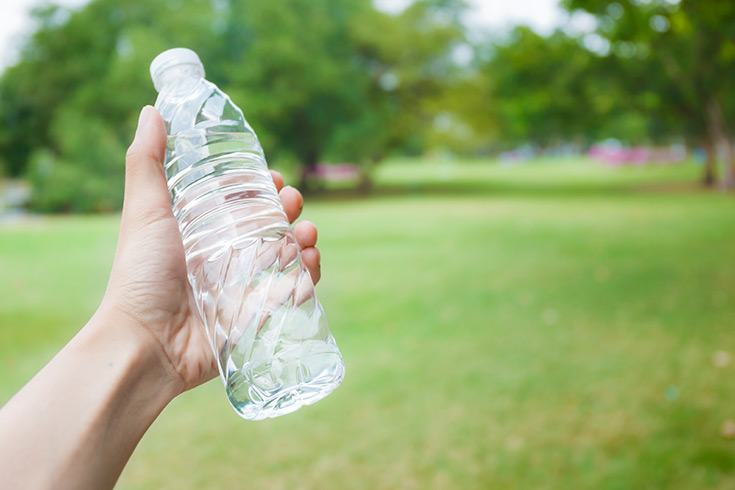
144, 119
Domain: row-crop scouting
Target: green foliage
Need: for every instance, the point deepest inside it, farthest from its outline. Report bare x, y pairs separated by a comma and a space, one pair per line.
70, 105
310, 77
550, 90
541, 88
338, 80
676, 60
299, 84
86, 175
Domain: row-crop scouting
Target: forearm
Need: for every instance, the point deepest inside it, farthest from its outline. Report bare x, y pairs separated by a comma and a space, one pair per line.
76, 423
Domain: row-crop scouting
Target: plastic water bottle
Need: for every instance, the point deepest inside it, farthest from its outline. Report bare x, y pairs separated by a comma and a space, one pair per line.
256, 299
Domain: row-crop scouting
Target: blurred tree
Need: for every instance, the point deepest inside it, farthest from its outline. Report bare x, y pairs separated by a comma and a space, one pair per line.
352, 86
687, 50
292, 69
549, 91
318, 79
553, 90
68, 107
411, 59
540, 88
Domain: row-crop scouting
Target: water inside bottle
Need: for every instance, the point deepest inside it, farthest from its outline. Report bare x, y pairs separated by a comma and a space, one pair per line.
267, 329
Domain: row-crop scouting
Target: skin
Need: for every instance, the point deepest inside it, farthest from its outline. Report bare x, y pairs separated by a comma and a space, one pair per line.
76, 423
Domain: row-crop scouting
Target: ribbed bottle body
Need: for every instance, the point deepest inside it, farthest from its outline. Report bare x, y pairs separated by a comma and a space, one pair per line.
255, 297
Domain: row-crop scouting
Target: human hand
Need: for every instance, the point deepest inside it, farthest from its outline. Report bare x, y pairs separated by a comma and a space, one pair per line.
148, 287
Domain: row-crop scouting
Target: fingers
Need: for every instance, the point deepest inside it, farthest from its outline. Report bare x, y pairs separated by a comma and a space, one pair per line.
306, 234
312, 260
145, 180
292, 202
304, 231
277, 179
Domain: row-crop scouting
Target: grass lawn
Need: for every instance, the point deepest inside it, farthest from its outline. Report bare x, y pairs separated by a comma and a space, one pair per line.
551, 325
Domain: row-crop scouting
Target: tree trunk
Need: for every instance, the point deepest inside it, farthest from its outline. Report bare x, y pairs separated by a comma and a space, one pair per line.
719, 132
309, 179
728, 180
709, 169
365, 183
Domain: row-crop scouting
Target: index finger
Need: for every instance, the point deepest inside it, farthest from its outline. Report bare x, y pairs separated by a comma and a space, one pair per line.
277, 179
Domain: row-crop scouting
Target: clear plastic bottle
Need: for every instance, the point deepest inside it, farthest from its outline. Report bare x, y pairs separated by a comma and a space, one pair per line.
255, 297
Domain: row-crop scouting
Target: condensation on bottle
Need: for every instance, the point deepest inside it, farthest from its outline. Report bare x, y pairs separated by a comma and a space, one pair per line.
255, 297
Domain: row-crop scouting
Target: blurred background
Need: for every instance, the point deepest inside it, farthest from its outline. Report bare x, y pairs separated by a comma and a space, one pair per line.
526, 219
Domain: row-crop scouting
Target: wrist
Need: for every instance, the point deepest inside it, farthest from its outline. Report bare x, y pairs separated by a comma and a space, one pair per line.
129, 347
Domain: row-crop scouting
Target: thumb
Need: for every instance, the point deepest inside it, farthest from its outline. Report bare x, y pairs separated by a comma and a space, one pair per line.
146, 191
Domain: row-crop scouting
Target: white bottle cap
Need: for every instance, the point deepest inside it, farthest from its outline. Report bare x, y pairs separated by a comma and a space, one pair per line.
176, 57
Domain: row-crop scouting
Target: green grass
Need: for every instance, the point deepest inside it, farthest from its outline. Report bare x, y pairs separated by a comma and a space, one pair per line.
541, 326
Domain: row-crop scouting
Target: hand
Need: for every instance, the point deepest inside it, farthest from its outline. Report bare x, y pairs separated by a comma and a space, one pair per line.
148, 284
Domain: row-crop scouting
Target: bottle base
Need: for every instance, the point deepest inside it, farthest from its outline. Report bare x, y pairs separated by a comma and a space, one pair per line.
252, 403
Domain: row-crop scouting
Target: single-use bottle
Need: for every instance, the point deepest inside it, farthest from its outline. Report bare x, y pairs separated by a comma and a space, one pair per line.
256, 299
